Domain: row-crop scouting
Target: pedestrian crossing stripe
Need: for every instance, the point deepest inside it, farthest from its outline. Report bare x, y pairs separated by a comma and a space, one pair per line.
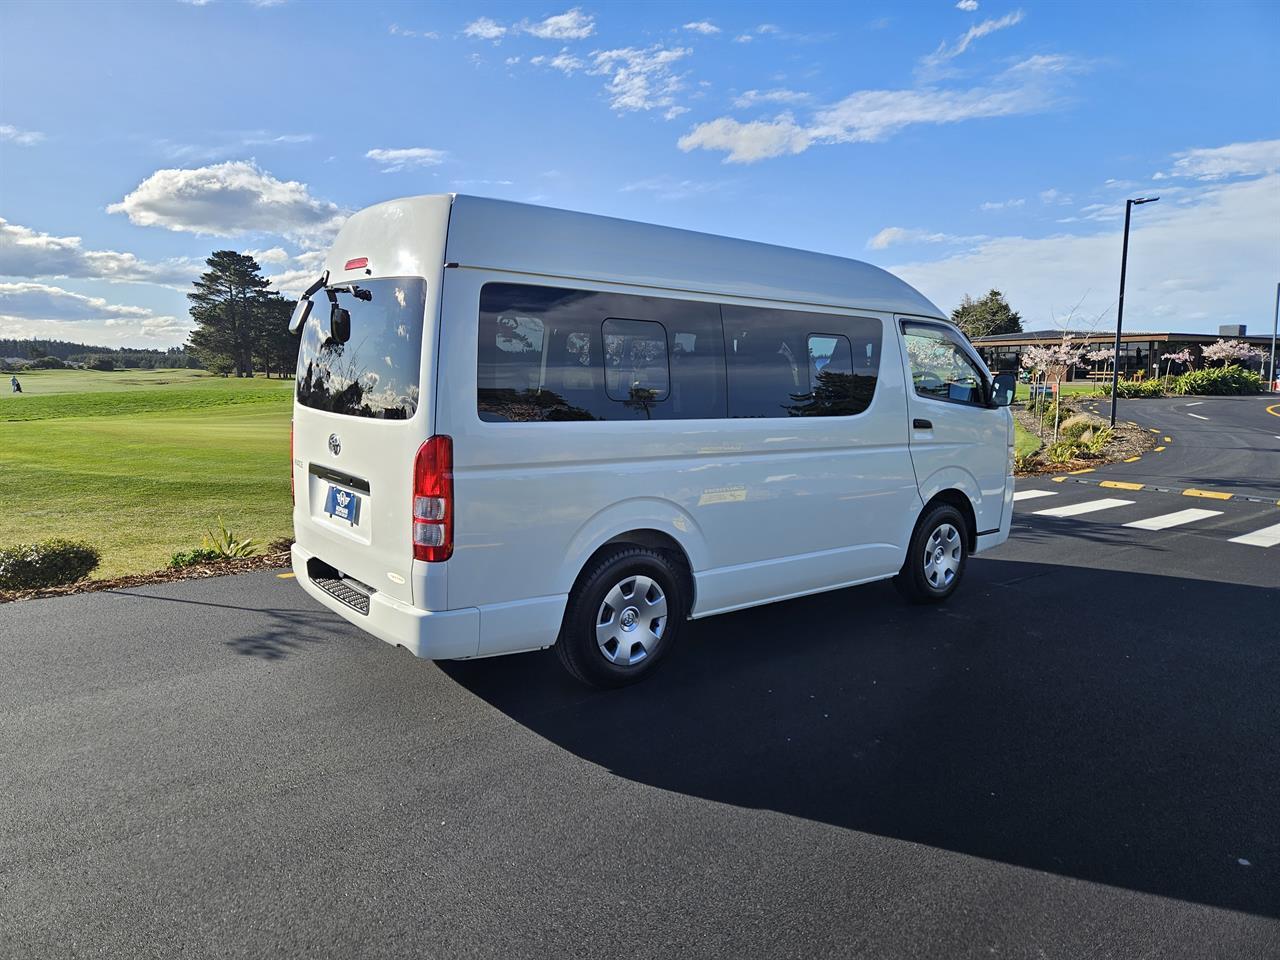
1175, 519
1266, 537
1089, 506
1033, 494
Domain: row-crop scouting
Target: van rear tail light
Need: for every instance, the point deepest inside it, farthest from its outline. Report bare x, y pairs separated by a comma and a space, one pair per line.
433, 500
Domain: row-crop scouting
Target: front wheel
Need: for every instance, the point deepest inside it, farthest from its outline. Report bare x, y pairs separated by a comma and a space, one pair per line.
936, 557
622, 617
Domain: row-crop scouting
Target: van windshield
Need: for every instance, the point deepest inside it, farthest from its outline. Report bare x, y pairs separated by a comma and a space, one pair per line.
367, 365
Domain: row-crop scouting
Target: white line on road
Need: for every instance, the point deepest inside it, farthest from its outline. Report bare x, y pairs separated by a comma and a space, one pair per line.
1032, 494
1266, 537
1174, 519
1089, 506
1196, 404
1197, 416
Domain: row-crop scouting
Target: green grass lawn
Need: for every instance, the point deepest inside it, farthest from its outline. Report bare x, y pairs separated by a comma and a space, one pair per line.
141, 465
1024, 441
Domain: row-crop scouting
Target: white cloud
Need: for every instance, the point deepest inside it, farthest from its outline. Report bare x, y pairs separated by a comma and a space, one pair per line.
968, 6
749, 98
1233, 160
872, 115
226, 200
563, 61
39, 301
399, 159
233, 144
511, 61
570, 25
640, 79
890, 236
1054, 195
1191, 265
743, 38
29, 253
398, 31
23, 138
297, 272
976, 32
669, 188
485, 28
767, 28
705, 27
1003, 204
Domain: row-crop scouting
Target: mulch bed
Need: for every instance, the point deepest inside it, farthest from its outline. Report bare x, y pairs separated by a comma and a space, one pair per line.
266, 561
1129, 441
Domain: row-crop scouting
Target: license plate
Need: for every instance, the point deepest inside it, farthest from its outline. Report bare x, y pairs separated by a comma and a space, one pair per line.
342, 505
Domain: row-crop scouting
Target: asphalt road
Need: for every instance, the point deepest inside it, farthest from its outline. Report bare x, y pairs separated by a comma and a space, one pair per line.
1224, 443
1076, 756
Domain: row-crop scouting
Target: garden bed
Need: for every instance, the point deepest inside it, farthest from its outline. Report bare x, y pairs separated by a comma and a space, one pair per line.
1124, 442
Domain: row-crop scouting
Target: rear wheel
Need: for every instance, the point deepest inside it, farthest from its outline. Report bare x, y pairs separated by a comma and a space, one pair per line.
937, 556
622, 617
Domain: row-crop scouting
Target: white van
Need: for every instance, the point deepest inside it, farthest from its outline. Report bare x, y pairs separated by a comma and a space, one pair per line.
518, 427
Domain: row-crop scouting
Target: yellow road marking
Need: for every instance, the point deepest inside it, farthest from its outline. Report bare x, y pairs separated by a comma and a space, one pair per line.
1121, 485
285, 576
1160, 449
1085, 470
1059, 479
1153, 430
1132, 459
1207, 494
1167, 439
1274, 409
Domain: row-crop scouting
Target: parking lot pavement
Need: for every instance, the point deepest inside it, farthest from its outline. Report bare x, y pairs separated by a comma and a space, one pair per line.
1075, 756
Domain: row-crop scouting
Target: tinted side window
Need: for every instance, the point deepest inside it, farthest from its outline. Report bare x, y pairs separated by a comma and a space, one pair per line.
789, 363
940, 366
551, 353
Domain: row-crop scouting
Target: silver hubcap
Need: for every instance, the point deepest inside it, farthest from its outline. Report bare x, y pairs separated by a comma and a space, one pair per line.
631, 620
942, 553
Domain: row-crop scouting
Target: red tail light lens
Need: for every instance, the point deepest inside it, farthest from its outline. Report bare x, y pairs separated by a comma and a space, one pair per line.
433, 500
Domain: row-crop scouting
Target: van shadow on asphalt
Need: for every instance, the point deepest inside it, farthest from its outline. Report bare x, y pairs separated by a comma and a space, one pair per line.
1118, 727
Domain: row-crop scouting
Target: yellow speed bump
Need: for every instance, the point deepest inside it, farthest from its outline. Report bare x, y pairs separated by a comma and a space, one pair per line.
1059, 479
1206, 494
1121, 485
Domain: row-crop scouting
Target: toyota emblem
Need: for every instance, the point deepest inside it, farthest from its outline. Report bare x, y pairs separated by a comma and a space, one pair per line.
335, 445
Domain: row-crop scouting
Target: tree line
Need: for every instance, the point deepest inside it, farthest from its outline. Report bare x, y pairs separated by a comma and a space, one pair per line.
242, 328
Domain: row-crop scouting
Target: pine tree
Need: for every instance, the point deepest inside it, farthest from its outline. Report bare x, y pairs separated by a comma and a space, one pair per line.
987, 317
227, 307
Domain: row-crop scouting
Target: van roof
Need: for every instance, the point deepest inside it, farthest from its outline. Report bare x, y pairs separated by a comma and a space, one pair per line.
505, 235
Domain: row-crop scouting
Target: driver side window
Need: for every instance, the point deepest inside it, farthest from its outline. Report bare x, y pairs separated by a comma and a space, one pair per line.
940, 367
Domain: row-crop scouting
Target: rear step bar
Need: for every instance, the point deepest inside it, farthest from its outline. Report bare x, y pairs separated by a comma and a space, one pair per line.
345, 590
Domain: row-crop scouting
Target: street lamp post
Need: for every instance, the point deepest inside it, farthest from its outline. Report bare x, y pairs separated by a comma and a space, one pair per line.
1124, 262
1275, 322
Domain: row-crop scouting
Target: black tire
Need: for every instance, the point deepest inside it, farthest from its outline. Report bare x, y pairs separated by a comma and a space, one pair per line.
914, 579
578, 647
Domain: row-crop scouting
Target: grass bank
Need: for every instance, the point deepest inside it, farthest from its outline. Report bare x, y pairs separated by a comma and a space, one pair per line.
142, 469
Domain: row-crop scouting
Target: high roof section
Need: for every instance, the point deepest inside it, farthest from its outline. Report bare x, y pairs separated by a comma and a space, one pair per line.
499, 234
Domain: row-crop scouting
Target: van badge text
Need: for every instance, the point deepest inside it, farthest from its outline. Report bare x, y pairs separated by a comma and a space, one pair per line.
335, 445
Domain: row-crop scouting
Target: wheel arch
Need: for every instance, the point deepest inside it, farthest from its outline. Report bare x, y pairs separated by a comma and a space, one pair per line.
960, 500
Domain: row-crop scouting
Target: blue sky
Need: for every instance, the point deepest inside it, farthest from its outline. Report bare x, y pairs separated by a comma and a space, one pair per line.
963, 144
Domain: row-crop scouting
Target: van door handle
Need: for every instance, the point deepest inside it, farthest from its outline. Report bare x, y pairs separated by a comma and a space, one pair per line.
919, 424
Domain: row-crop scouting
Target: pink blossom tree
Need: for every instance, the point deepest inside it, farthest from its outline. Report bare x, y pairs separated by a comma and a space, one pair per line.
1230, 351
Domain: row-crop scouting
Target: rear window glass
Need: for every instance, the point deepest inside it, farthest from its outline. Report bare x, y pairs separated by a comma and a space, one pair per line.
374, 371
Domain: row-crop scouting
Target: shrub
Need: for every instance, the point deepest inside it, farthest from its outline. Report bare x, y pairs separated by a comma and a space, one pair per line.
1094, 441
1024, 462
1076, 425
189, 558
46, 363
49, 563
1218, 381
1052, 411
1135, 389
1062, 451
101, 363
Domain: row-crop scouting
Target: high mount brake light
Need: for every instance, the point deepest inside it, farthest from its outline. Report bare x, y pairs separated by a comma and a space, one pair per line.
358, 263
433, 500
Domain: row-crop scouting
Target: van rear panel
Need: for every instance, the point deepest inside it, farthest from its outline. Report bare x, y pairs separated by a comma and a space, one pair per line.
364, 399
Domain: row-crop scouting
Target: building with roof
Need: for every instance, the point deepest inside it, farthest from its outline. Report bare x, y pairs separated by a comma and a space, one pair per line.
1139, 351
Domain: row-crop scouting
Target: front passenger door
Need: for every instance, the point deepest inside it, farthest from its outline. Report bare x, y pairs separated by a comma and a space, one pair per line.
957, 440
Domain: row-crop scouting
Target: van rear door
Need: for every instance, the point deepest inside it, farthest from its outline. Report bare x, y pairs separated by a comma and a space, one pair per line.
357, 424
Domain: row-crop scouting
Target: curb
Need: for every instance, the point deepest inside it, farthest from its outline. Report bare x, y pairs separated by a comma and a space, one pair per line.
1155, 488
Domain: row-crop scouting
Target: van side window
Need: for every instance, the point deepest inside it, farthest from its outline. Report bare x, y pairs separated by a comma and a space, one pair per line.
940, 367
555, 354
780, 367
635, 361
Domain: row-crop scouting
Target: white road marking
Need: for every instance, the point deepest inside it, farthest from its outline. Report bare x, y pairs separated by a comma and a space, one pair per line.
1174, 519
1089, 506
1032, 494
1196, 404
1266, 537
1197, 416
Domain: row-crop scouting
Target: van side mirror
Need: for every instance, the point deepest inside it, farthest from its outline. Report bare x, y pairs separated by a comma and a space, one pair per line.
339, 324
301, 311
1002, 389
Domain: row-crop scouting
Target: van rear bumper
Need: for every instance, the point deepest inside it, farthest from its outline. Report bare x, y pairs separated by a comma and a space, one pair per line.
432, 635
